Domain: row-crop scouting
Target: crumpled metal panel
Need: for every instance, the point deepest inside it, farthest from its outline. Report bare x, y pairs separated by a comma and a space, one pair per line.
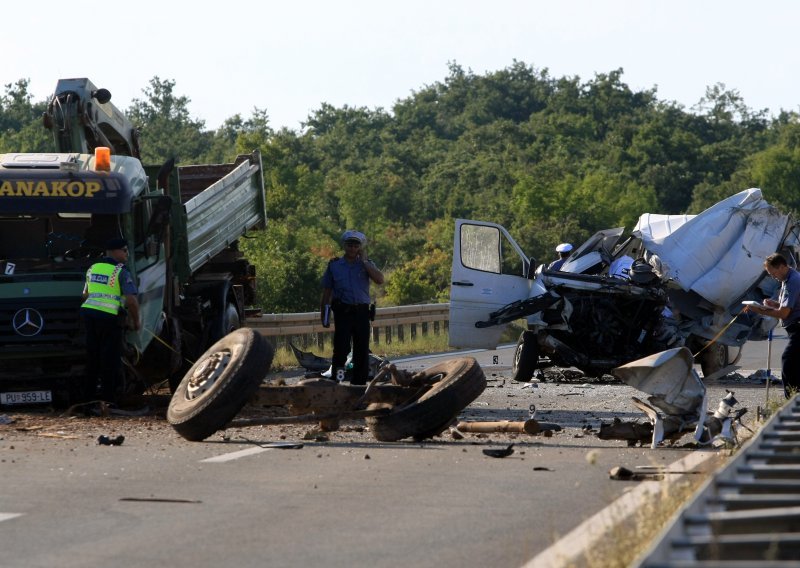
669, 378
719, 254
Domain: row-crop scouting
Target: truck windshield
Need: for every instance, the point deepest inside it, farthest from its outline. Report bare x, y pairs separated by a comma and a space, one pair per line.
36, 243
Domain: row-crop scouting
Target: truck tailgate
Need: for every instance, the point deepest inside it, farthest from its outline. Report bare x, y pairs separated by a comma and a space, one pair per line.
224, 211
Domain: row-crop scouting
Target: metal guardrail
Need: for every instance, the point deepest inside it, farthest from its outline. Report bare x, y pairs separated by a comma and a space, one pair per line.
308, 322
748, 514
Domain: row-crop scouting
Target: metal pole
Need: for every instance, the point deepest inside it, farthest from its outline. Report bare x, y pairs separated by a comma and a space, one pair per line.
769, 371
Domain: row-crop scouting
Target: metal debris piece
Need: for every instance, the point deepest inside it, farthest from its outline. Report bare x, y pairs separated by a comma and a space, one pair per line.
158, 500
275, 445
655, 420
455, 434
322, 365
309, 361
624, 474
504, 453
57, 435
675, 389
526, 427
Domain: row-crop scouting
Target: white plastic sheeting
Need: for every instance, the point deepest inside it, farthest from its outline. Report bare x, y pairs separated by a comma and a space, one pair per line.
719, 253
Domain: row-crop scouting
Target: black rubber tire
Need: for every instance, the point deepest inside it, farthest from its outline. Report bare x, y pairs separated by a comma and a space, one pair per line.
249, 356
462, 382
713, 358
230, 321
526, 357
178, 365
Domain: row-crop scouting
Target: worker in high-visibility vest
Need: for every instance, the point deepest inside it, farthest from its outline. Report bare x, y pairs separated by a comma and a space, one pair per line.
109, 304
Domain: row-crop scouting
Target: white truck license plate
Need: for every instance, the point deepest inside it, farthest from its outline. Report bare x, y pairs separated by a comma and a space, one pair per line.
26, 397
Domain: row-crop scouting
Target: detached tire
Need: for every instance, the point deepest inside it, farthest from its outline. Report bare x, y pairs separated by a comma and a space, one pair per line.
462, 381
216, 388
526, 357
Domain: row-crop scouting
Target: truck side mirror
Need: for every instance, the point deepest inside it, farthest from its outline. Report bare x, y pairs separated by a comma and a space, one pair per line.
531, 268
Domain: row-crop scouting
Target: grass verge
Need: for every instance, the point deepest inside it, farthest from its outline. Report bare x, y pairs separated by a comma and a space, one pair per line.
285, 359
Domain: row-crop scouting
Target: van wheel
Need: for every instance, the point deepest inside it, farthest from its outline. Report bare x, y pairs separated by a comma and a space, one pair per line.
526, 357
462, 381
218, 386
713, 358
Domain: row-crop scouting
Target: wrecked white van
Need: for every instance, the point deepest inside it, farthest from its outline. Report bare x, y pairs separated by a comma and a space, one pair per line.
676, 280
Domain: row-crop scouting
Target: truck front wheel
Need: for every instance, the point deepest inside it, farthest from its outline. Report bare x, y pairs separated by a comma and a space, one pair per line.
219, 384
526, 357
230, 320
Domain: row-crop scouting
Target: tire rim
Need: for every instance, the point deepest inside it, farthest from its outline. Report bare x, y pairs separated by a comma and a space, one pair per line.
207, 373
518, 355
719, 356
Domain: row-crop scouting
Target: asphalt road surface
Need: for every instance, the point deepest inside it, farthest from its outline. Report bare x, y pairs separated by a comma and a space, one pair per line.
159, 500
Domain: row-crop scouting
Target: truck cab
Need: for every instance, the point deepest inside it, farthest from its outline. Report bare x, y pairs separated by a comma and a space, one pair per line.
59, 209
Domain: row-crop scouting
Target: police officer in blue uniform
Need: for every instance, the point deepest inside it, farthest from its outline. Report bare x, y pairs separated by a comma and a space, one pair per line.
563, 250
345, 290
109, 294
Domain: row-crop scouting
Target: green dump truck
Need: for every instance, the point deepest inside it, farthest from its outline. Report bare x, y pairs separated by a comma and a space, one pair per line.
58, 209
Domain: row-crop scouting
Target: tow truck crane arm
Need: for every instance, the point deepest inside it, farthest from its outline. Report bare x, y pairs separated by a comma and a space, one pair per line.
82, 118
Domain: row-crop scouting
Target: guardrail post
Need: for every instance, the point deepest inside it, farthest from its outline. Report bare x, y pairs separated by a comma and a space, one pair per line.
388, 332
413, 331
400, 334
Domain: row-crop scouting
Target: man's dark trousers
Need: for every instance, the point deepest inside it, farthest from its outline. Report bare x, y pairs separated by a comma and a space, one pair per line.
104, 353
352, 322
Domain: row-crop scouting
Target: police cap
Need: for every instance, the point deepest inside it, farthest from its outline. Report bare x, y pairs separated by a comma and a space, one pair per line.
117, 243
564, 247
355, 237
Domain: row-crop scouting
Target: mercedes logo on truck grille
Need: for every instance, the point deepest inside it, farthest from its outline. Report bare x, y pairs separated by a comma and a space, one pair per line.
27, 322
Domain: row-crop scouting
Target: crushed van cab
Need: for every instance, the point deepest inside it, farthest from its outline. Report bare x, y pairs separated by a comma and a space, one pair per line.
675, 280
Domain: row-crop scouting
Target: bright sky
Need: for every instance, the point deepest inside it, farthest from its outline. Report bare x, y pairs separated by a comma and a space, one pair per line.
290, 56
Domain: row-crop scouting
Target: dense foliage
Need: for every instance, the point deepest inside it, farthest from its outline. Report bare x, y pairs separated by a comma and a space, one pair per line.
552, 159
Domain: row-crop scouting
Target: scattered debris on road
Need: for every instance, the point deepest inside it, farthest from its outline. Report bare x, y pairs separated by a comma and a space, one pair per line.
503, 453
624, 474
526, 427
677, 391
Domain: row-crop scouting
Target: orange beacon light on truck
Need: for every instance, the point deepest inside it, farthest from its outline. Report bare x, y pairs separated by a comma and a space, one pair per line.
102, 159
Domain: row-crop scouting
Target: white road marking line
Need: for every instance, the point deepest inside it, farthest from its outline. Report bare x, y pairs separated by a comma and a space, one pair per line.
236, 455
8, 516
574, 547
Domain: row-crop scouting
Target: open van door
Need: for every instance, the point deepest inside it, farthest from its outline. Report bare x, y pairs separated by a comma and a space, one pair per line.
489, 271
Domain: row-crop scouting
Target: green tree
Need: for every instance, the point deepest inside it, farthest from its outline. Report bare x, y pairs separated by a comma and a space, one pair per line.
21, 127
167, 128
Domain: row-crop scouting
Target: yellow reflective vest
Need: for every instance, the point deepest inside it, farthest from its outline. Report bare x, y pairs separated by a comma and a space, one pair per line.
104, 288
